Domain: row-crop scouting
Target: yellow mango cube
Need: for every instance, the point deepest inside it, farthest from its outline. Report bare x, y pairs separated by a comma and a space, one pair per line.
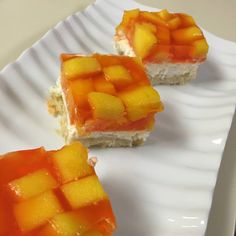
200, 48
153, 18
84, 192
127, 16
117, 75
80, 66
140, 101
186, 20
36, 211
143, 40
71, 162
187, 35
104, 86
174, 23
32, 184
65, 224
130, 14
80, 89
106, 106
164, 14
150, 27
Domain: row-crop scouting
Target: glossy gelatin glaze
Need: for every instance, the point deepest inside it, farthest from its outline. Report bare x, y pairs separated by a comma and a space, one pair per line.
162, 36
108, 93
54, 193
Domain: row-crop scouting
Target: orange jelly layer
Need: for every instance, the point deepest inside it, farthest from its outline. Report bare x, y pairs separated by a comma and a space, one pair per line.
163, 36
36, 197
108, 93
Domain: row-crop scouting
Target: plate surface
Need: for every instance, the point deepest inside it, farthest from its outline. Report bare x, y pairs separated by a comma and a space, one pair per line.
162, 188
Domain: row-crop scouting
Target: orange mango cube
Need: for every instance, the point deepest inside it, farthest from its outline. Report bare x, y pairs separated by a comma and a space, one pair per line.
106, 106
36, 211
149, 26
81, 66
128, 15
153, 18
165, 15
200, 48
71, 162
186, 20
187, 35
143, 40
104, 86
163, 35
83, 192
32, 184
68, 224
80, 89
174, 23
117, 75
141, 101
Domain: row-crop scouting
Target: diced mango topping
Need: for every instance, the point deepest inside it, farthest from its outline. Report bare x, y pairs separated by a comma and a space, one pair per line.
36, 211
163, 36
141, 101
174, 23
117, 75
153, 18
59, 194
66, 224
32, 184
149, 26
103, 86
78, 66
200, 47
164, 14
148, 29
71, 162
127, 17
143, 40
106, 106
187, 35
93, 102
83, 192
80, 89
186, 20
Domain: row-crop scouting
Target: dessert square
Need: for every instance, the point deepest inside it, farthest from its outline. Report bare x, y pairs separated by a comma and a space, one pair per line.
170, 45
52, 193
104, 100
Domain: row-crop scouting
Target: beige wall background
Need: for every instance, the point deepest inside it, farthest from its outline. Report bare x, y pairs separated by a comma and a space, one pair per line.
22, 22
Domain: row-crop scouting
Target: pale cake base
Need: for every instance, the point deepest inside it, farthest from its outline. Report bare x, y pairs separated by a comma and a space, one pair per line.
57, 108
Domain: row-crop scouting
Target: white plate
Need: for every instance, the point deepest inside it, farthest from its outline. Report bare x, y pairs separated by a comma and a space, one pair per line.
162, 188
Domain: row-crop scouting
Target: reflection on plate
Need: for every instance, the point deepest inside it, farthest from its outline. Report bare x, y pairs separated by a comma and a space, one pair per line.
164, 187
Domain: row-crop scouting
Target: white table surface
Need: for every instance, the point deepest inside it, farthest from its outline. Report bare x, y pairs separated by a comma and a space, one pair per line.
22, 22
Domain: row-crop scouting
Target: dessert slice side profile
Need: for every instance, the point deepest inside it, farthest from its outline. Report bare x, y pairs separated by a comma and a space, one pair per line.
104, 100
170, 45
